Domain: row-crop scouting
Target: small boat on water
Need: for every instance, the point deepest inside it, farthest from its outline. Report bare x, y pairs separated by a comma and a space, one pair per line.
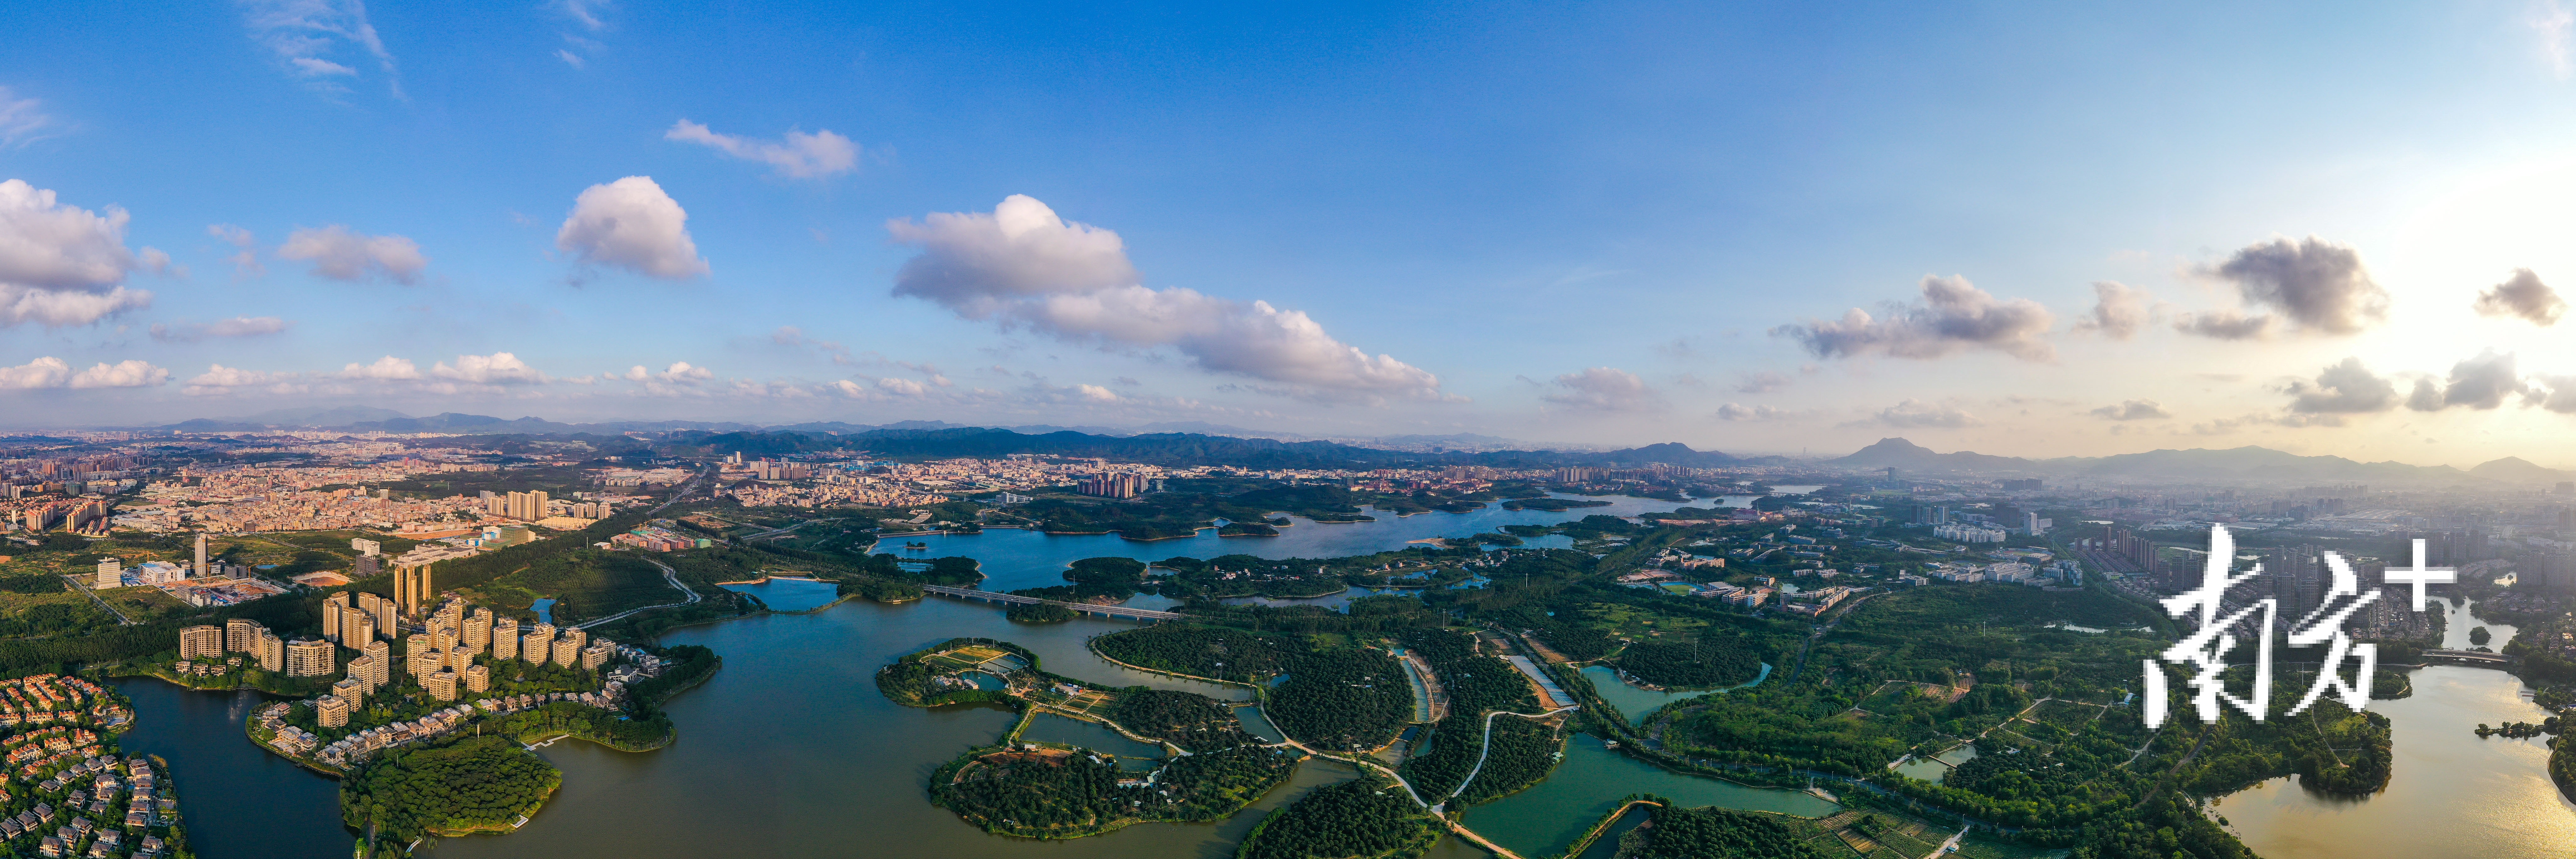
916, 547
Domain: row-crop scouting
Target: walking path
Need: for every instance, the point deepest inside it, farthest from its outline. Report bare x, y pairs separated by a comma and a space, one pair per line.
668, 575
1946, 845
1485, 746
121, 619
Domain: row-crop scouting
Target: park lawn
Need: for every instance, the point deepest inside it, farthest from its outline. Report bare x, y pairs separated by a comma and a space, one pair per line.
1628, 621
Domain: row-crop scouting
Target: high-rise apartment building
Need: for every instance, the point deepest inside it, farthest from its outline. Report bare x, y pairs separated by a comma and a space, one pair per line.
441, 684
196, 641
310, 657
331, 620
380, 659
539, 644
352, 688
201, 557
596, 655
478, 678
415, 651
111, 574
241, 635
567, 652
505, 638
269, 649
460, 659
331, 711
366, 548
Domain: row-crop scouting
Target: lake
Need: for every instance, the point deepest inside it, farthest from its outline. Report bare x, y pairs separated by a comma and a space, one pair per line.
2452, 794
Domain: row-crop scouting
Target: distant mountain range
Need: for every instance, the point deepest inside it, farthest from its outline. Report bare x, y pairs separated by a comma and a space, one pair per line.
2249, 462
369, 419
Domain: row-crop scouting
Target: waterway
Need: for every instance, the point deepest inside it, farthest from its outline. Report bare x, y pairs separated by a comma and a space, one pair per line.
2453, 794
2457, 622
1635, 703
790, 750
1014, 559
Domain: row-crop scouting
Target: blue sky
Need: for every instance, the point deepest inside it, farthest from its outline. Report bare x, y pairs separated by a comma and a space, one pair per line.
1609, 223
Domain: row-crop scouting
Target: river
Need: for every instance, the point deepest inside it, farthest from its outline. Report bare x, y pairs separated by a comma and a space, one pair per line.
2452, 793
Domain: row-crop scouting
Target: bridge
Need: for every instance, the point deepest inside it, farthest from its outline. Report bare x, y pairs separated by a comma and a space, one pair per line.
2467, 656
1076, 607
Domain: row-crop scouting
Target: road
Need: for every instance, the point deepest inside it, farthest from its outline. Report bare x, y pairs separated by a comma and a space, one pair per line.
668, 575
94, 597
681, 492
1841, 612
1946, 845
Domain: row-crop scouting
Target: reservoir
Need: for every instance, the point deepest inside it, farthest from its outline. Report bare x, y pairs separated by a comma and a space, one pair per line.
2452, 794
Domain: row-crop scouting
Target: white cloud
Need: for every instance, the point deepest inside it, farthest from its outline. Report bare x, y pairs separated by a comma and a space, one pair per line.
45, 372
1096, 393
385, 369
631, 224
2227, 325
571, 59
157, 261
2343, 388
2553, 23
2524, 297
2482, 382
2119, 311
2318, 284
1913, 413
498, 368
61, 265
1762, 382
901, 387
1022, 266
22, 120
1953, 314
586, 12
2133, 410
1740, 412
122, 374
245, 263
1603, 389
340, 253
238, 326
681, 372
799, 155
219, 380
301, 33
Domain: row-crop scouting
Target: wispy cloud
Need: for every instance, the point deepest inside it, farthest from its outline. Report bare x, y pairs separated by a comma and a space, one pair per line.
304, 34
22, 120
2554, 24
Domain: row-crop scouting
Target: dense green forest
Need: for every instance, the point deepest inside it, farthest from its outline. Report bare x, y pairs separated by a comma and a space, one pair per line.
1524, 751
1343, 699
1191, 721
1716, 833
1709, 662
1475, 683
1365, 818
1060, 795
1184, 648
473, 783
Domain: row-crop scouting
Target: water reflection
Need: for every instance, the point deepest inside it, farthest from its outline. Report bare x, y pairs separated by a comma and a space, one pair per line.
2453, 794
1546, 818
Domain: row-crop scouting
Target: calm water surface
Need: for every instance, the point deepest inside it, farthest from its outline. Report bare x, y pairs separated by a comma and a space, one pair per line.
1546, 818
1635, 703
240, 802
2452, 795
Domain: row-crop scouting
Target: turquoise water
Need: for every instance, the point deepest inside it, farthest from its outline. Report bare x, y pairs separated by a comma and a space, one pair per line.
1635, 703
791, 594
545, 609
1051, 728
1546, 818
1016, 559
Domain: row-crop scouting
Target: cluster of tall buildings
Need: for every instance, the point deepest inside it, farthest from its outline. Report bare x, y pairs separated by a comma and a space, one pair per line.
528, 506
1114, 484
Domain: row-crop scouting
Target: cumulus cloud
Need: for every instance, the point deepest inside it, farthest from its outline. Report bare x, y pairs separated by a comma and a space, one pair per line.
2555, 393
246, 260
1603, 389
238, 326
22, 120
385, 369
2226, 325
219, 379
2133, 410
1740, 412
340, 253
2481, 382
2318, 285
2343, 388
45, 372
1953, 314
2119, 311
61, 265
1913, 413
799, 155
1096, 393
1762, 382
1023, 267
302, 33
2524, 297
631, 224
52, 372
498, 368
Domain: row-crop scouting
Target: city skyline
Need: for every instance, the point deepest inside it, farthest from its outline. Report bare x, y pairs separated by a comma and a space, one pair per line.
2009, 231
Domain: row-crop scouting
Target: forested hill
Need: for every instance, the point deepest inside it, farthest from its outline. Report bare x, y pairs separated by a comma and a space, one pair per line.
1172, 449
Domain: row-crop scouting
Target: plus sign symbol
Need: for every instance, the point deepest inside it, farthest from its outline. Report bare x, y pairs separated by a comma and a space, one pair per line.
2420, 575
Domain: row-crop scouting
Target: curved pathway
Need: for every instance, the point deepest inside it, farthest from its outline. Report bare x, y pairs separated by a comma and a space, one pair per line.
1486, 746
668, 575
